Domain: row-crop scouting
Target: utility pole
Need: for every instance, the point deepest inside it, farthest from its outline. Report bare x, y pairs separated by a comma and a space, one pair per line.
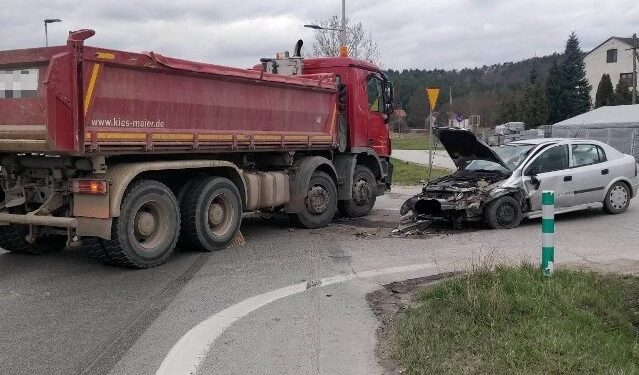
635, 57
450, 103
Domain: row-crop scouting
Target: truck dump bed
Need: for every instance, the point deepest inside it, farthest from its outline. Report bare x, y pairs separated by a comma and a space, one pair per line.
79, 100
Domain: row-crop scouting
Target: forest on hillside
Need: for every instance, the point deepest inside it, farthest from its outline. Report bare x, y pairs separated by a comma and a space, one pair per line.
477, 91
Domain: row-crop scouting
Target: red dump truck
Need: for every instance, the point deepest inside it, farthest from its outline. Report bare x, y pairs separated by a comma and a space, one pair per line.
129, 154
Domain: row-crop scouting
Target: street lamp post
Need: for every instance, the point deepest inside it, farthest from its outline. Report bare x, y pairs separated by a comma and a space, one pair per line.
46, 33
343, 50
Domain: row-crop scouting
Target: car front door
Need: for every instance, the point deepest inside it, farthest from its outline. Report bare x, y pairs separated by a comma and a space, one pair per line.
549, 171
590, 172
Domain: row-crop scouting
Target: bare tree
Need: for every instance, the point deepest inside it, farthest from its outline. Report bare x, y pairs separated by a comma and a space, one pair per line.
360, 44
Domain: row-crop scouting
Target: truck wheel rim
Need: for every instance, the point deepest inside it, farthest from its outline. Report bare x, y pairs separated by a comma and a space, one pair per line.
150, 225
317, 200
361, 192
220, 215
618, 197
506, 214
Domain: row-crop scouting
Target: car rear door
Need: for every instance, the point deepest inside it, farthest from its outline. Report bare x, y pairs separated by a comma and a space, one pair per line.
590, 172
550, 170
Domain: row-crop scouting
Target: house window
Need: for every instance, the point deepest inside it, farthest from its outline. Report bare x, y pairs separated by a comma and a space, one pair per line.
626, 78
611, 56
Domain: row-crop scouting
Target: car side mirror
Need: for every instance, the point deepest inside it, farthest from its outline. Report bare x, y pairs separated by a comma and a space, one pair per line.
532, 171
535, 181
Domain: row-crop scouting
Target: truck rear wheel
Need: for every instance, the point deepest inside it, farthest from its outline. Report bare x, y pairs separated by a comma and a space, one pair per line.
364, 194
320, 203
13, 239
211, 214
147, 230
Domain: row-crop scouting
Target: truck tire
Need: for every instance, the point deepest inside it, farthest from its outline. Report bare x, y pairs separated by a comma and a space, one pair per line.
364, 194
145, 233
320, 203
211, 214
617, 198
13, 239
503, 213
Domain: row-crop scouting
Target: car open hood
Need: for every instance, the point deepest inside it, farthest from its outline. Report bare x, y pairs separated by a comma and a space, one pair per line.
463, 147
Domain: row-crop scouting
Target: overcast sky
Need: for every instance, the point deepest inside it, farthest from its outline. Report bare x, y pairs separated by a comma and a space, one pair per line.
422, 34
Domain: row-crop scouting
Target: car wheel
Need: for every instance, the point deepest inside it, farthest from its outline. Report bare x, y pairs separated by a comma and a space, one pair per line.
617, 199
503, 213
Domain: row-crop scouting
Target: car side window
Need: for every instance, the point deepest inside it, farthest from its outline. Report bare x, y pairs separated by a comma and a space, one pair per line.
552, 159
374, 91
585, 154
602, 154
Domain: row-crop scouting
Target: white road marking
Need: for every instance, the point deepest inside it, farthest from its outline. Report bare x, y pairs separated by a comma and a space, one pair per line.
186, 356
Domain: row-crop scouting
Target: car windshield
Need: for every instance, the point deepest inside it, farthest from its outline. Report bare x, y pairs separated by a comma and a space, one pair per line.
511, 154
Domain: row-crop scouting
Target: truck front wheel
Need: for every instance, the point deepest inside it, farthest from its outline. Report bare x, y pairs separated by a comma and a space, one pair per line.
147, 230
364, 194
320, 203
211, 214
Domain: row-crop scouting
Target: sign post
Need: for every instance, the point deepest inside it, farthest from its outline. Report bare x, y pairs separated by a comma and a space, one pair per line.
547, 232
432, 93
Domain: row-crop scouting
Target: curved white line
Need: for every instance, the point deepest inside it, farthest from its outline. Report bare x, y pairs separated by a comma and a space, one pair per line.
186, 356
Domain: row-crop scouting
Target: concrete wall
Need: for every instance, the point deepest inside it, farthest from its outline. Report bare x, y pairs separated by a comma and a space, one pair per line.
596, 64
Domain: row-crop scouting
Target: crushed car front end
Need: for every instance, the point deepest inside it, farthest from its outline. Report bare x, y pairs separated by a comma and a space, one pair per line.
481, 178
458, 197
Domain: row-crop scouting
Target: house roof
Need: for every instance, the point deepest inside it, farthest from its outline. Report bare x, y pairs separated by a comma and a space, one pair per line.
627, 41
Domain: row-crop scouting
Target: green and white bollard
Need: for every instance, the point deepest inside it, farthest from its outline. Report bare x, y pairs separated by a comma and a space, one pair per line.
547, 232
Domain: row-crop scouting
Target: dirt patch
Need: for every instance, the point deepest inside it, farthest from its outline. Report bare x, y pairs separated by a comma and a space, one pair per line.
387, 303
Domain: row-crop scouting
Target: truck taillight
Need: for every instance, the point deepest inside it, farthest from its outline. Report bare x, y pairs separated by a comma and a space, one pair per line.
88, 186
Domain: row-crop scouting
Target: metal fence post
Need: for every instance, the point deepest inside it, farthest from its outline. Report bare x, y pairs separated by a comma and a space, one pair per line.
547, 232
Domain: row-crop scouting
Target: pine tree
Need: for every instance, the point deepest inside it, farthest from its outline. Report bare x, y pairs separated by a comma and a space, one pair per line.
534, 105
509, 109
623, 94
605, 94
575, 90
554, 85
417, 108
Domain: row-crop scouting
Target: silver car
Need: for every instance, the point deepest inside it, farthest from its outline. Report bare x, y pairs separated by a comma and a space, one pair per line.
502, 185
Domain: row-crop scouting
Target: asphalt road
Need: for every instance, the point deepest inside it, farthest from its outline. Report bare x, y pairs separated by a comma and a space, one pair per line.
288, 302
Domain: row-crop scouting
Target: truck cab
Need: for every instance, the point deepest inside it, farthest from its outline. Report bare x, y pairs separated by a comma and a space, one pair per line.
369, 97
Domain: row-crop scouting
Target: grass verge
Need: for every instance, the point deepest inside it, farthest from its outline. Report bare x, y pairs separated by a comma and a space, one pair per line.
407, 173
412, 142
515, 321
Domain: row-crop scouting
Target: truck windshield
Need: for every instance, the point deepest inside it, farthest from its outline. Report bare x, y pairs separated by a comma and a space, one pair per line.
511, 154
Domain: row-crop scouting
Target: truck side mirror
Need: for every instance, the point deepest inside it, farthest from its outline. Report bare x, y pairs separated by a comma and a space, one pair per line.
389, 107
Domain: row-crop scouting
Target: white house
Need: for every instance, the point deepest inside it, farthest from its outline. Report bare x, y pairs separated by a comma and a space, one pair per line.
611, 57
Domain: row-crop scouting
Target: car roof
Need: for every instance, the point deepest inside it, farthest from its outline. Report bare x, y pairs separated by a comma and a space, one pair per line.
536, 141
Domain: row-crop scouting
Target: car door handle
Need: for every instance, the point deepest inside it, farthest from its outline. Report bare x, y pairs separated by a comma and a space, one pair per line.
567, 178
604, 171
